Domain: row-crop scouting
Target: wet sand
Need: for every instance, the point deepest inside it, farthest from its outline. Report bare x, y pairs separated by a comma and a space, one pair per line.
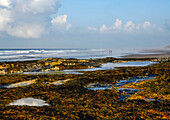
150, 54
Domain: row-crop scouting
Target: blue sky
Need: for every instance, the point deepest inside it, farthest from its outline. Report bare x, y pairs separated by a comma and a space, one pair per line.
105, 11
115, 24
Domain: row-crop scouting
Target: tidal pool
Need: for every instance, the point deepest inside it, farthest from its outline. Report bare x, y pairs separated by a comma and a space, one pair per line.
60, 82
128, 64
151, 100
97, 86
29, 102
53, 72
123, 97
132, 80
19, 84
109, 66
106, 66
129, 91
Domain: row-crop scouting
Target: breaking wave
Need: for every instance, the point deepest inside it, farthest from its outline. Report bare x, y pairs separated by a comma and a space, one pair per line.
36, 54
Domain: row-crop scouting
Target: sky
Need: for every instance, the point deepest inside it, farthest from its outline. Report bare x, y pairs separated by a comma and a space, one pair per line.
112, 24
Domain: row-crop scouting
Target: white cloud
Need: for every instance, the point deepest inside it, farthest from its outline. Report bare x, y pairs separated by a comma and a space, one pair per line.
116, 27
27, 18
103, 28
37, 6
5, 18
129, 26
60, 22
5, 3
26, 31
146, 25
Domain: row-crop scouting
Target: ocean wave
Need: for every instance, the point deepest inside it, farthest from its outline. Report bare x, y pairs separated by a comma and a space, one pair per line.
25, 54
36, 51
98, 50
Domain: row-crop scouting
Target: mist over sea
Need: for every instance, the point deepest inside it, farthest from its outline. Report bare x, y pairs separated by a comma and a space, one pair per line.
9, 55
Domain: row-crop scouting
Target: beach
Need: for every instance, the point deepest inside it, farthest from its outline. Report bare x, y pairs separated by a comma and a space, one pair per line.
94, 87
150, 54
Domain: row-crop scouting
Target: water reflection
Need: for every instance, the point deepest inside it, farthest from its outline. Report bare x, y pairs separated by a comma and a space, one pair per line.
129, 91
52, 72
105, 66
29, 102
109, 66
19, 84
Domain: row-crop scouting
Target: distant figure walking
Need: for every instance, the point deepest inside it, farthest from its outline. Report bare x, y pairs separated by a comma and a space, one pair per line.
110, 51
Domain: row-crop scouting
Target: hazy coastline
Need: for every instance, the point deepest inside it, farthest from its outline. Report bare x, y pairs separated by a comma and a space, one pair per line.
11, 55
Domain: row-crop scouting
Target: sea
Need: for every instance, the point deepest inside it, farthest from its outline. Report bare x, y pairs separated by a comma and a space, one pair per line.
11, 55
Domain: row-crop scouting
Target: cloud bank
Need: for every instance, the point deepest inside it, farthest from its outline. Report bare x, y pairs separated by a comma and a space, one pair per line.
30, 18
127, 27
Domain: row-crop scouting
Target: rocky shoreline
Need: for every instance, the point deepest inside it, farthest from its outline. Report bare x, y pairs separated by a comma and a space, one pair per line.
120, 93
53, 64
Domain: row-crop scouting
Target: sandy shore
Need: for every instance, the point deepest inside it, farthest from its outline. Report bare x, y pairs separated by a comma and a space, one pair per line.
150, 54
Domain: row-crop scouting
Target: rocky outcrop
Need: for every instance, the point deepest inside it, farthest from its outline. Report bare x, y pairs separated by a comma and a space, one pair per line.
53, 64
